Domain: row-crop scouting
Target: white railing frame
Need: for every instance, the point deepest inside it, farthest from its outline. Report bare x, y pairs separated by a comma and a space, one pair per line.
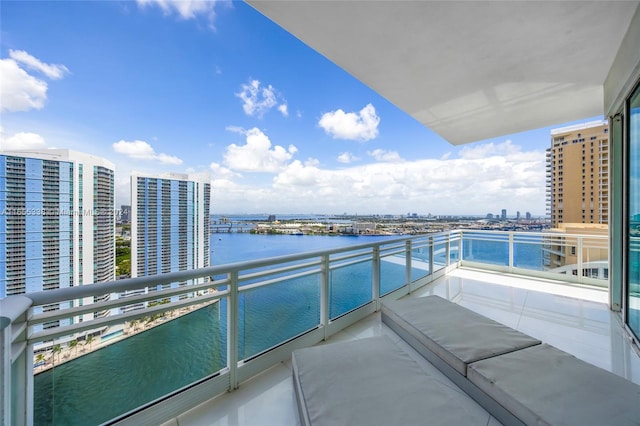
18, 317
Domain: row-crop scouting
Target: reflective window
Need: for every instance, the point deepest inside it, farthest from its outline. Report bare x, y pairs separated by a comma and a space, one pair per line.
633, 266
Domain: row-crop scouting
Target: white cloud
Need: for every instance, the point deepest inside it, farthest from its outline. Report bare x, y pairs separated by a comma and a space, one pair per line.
258, 155
186, 9
257, 100
298, 174
353, 126
20, 90
473, 152
236, 129
141, 150
22, 141
53, 71
507, 178
346, 158
221, 172
385, 155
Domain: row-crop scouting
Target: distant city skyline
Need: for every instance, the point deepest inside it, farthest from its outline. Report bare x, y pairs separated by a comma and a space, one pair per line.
217, 87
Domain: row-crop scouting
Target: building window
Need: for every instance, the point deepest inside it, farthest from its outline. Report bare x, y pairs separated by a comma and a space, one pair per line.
633, 215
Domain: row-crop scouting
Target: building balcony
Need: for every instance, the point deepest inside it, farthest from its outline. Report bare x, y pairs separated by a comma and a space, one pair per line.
574, 320
228, 340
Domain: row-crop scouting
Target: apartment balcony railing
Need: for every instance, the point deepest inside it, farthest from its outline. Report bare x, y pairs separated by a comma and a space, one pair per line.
260, 311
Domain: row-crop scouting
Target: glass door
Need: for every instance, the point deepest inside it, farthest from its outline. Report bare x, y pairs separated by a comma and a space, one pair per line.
633, 219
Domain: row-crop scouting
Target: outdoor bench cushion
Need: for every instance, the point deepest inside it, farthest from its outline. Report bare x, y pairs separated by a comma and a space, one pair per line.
543, 385
454, 333
371, 381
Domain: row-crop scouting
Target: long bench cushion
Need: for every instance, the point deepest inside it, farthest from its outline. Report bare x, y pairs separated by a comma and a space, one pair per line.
544, 385
371, 381
454, 333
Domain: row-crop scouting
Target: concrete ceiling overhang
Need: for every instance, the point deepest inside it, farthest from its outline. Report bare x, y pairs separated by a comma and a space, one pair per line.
469, 70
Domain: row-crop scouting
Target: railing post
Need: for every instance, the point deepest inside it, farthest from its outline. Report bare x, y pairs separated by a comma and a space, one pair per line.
579, 256
408, 259
447, 250
510, 251
461, 247
5, 370
324, 296
431, 251
16, 363
375, 277
232, 330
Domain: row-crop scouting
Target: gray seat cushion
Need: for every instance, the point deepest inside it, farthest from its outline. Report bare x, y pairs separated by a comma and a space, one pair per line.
544, 385
372, 381
454, 333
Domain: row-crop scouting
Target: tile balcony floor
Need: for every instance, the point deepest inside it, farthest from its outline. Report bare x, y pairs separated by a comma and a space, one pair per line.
574, 319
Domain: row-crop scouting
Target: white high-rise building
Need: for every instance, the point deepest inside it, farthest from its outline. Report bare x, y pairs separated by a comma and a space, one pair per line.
57, 224
169, 224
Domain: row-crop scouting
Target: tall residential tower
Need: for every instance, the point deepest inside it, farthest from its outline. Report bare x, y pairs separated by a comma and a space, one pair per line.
169, 224
57, 224
578, 195
578, 174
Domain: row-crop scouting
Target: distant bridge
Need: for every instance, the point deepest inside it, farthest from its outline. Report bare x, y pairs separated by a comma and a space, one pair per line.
225, 228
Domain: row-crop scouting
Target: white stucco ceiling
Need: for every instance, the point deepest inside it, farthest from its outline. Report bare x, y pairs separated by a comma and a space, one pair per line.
469, 70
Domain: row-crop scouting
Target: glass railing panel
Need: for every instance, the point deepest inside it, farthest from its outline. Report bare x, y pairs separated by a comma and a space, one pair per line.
128, 365
419, 262
454, 250
439, 256
486, 248
275, 313
392, 272
595, 263
561, 254
528, 256
350, 287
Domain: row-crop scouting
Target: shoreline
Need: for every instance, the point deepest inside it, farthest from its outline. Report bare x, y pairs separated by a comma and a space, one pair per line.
69, 354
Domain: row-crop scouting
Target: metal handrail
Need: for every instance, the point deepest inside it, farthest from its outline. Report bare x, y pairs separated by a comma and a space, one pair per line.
228, 281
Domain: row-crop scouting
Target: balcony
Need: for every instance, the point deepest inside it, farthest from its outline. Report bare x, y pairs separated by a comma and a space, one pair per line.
575, 320
312, 298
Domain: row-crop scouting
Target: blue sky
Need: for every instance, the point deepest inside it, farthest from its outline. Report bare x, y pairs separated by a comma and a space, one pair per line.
199, 86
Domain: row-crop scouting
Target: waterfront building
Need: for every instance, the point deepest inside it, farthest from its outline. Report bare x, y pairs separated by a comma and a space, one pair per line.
578, 174
473, 87
170, 224
577, 191
57, 224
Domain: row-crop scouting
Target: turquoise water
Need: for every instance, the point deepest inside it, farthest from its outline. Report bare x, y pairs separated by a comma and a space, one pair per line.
118, 378
132, 372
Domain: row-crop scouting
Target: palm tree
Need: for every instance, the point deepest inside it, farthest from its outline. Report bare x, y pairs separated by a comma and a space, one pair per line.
74, 345
39, 359
56, 351
89, 341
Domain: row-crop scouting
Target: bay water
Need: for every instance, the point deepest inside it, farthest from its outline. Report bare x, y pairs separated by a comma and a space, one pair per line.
122, 376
